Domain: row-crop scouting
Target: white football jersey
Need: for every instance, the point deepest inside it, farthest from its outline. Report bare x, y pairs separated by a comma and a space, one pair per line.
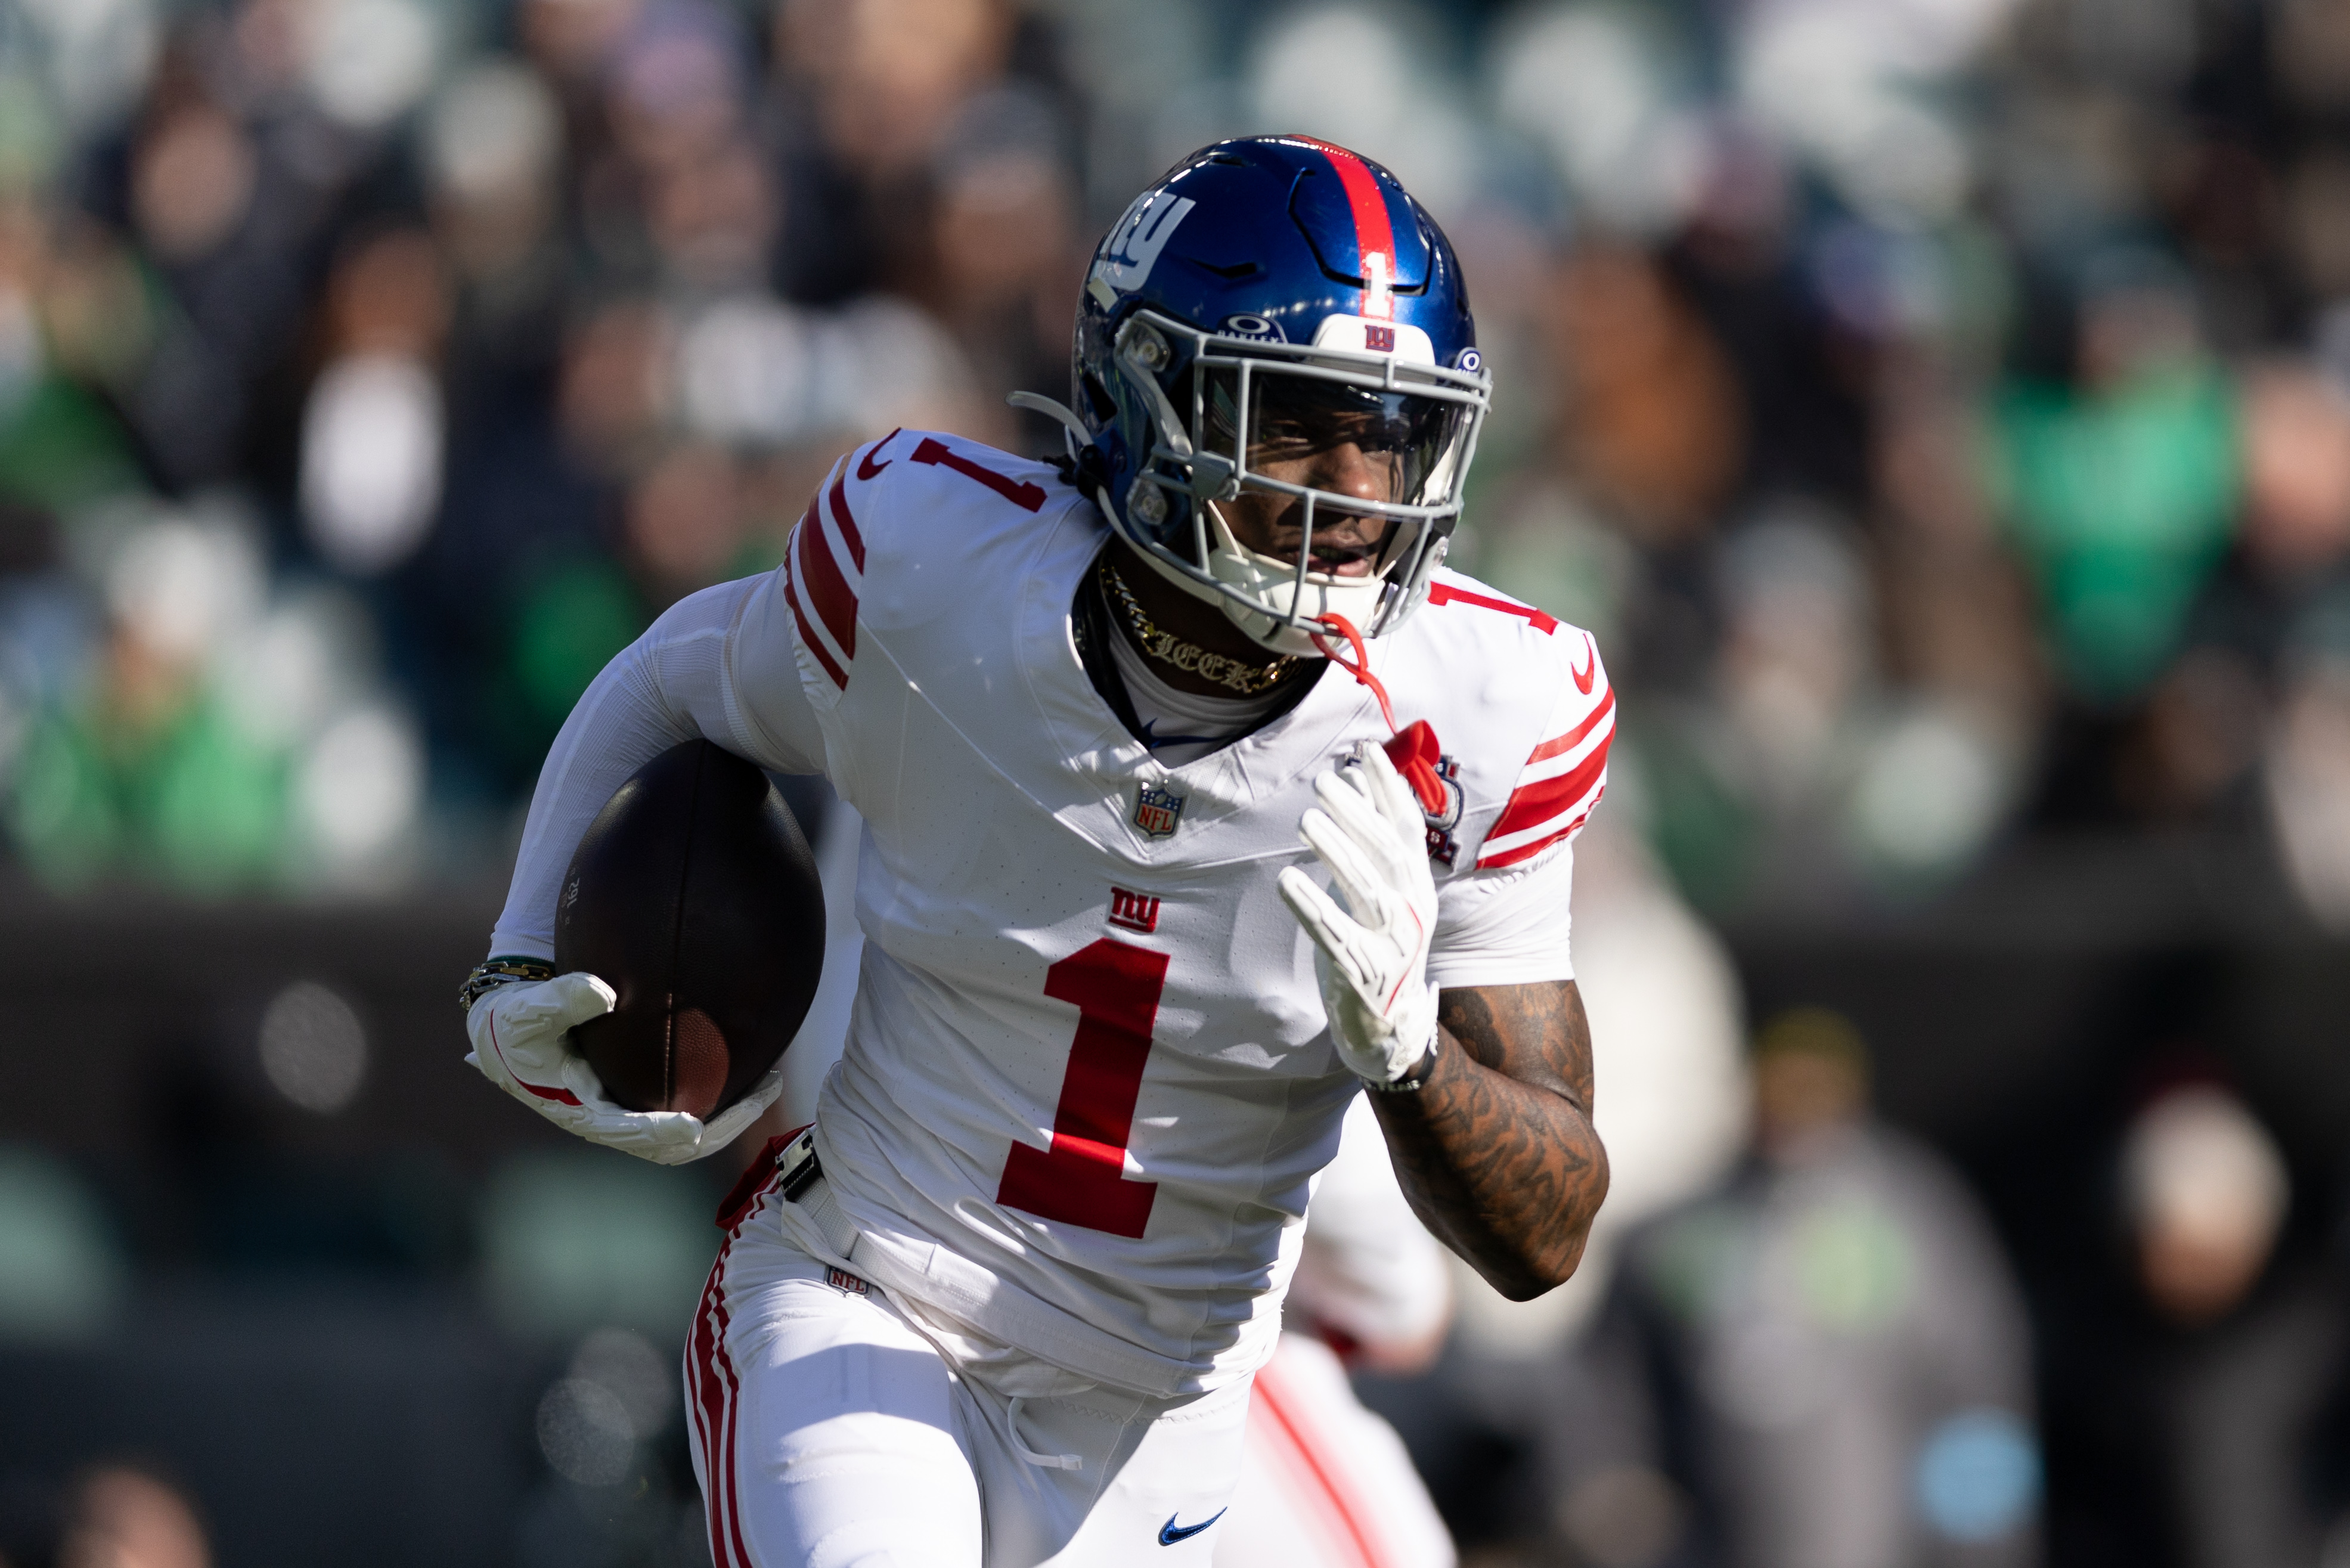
1088, 1083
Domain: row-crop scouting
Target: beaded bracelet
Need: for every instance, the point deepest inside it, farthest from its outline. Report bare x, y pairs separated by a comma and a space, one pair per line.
498, 971
1411, 1083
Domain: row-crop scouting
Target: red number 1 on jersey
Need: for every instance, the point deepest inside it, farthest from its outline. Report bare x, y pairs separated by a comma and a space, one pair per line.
1081, 1180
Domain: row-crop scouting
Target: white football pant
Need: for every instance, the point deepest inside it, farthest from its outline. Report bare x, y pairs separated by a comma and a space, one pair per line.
829, 1433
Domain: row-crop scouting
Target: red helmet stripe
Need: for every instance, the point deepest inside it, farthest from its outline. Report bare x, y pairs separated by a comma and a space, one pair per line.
1373, 234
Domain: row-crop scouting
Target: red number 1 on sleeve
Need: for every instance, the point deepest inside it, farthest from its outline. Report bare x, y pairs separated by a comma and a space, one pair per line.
1081, 1180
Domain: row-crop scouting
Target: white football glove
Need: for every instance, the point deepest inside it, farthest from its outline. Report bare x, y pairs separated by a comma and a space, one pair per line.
521, 1042
1371, 953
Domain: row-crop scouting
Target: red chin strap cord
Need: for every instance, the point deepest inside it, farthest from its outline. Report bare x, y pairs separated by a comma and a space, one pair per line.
1413, 749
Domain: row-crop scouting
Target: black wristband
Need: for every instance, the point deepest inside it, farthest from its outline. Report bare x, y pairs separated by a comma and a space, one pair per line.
1411, 1083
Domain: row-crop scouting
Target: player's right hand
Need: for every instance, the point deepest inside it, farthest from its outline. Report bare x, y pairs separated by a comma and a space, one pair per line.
521, 1042
1371, 953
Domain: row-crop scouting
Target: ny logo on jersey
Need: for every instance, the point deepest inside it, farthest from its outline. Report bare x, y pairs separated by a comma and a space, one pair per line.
1157, 810
1134, 912
1441, 846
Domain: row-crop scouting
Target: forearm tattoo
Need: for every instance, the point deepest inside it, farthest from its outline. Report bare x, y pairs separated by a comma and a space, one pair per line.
1497, 1154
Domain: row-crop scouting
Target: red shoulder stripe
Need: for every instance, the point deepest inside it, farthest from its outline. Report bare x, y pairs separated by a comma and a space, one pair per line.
848, 533
1534, 804
833, 599
1573, 737
1528, 851
807, 634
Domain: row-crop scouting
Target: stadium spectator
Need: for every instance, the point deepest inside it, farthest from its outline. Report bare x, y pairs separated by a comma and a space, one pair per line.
2209, 1390
1823, 1362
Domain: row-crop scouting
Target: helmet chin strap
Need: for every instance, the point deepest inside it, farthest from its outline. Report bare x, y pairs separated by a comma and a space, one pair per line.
1269, 605
1413, 748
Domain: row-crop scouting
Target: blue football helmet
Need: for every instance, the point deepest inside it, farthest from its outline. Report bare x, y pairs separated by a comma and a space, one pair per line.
1276, 289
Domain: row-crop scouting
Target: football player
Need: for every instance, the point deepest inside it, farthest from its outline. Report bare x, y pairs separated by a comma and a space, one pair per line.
1327, 1483
1198, 799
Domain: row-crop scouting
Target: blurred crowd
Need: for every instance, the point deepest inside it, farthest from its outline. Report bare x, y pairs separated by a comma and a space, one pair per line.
1945, 423
1801, 1337
374, 370
1938, 408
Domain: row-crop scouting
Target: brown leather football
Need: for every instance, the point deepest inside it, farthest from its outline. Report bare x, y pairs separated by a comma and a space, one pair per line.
694, 895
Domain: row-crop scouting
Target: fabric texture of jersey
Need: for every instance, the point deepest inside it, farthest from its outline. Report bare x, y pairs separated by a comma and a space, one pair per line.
1088, 1081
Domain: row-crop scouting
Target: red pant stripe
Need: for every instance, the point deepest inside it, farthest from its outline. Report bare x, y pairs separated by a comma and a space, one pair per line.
714, 1400
1285, 1423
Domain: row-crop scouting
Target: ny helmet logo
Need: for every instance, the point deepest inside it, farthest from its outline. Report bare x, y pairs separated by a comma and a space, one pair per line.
1133, 247
1157, 810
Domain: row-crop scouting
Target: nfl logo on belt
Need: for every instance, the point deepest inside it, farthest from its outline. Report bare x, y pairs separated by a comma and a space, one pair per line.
1157, 810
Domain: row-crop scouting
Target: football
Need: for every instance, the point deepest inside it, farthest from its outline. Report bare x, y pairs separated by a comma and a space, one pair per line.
694, 897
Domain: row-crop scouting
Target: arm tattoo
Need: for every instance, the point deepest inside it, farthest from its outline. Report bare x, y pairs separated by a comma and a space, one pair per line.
1497, 1154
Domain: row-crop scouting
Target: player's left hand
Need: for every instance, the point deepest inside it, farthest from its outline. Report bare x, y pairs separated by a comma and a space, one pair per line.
1371, 953
521, 1034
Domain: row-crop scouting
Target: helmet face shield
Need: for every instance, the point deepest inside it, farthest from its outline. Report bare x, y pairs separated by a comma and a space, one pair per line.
1291, 465
1402, 442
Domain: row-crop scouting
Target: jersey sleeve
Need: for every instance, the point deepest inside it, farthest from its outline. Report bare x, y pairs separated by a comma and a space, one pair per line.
1505, 927
1565, 775
1507, 921
710, 668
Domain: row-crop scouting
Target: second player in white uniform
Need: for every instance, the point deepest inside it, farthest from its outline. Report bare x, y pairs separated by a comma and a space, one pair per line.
1327, 1483
1107, 1026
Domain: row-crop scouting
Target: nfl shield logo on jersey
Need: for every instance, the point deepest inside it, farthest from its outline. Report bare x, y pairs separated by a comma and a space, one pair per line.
1157, 810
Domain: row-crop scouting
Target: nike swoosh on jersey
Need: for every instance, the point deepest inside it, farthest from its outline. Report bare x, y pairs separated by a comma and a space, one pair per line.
866, 467
1582, 676
1169, 1533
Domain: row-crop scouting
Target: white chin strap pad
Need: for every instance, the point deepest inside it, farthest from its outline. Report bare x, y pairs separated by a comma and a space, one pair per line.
1261, 580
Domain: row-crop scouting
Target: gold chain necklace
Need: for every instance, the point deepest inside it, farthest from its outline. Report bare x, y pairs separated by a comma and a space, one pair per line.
1248, 679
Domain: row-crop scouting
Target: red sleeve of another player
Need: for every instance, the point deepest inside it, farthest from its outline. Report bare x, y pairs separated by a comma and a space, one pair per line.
1567, 773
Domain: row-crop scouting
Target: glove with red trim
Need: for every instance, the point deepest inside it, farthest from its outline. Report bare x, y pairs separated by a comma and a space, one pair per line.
1371, 953
521, 1042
